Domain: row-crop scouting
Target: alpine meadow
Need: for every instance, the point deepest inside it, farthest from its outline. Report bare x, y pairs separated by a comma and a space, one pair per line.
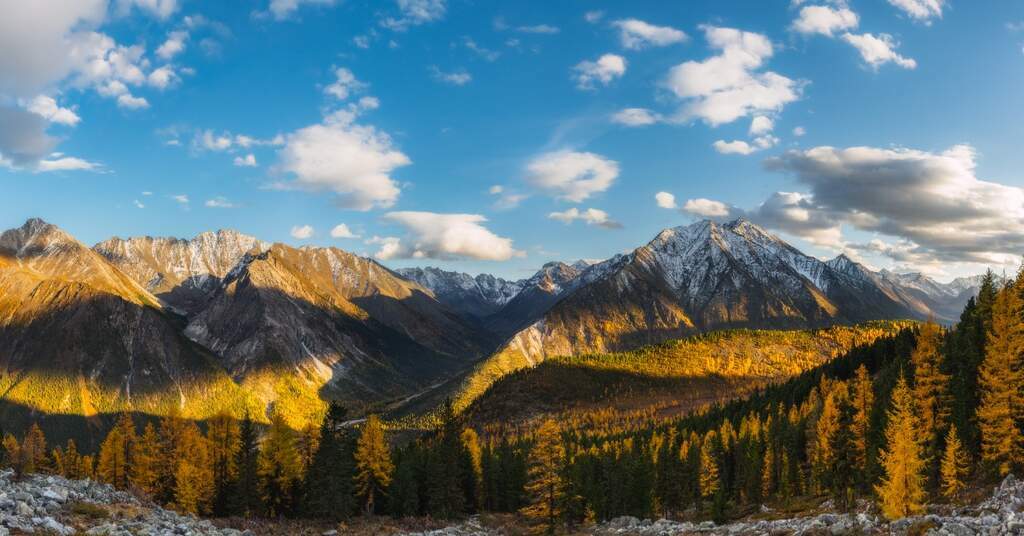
462, 268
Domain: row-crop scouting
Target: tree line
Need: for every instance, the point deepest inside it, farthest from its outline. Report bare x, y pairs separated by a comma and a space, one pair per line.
917, 416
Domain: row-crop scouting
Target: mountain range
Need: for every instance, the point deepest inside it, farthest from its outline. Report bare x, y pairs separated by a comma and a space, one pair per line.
224, 321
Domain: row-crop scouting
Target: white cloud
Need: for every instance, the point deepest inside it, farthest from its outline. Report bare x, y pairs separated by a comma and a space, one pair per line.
248, 160
47, 108
162, 77
593, 17
344, 85
665, 200
485, 53
180, 198
637, 34
132, 103
506, 200
607, 68
66, 163
161, 9
573, 176
302, 232
766, 141
878, 50
353, 161
496, 189
733, 147
342, 231
539, 29
590, 216
932, 200
760, 125
920, 10
706, 208
138, 204
415, 13
825, 20
174, 45
728, 86
23, 137
284, 9
799, 131
361, 41
219, 202
431, 235
455, 78
635, 117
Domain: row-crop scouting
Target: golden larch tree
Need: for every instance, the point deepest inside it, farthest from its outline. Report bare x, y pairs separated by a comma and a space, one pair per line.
545, 487
901, 492
33, 450
863, 400
954, 466
931, 385
708, 466
373, 464
146, 455
193, 475
116, 453
1000, 379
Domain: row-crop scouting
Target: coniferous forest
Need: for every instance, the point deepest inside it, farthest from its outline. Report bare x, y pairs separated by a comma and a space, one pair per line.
924, 415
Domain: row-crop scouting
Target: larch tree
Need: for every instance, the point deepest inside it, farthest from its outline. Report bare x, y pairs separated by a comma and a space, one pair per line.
193, 475
146, 457
116, 453
373, 464
12, 455
901, 491
545, 487
709, 480
1000, 379
472, 473
280, 468
33, 450
931, 385
954, 466
863, 399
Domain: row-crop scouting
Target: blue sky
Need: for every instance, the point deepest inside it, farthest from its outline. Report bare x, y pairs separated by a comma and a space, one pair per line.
496, 136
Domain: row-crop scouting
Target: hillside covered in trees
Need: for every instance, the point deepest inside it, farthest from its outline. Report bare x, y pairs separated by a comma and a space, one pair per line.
920, 415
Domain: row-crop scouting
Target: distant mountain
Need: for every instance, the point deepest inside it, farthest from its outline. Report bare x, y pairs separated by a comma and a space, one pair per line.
182, 273
701, 277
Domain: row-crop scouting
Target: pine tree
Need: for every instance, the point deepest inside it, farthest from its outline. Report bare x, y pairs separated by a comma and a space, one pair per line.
954, 466
245, 494
445, 495
328, 484
373, 464
146, 457
1001, 382
931, 385
545, 487
280, 468
901, 492
115, 460
842, 468
171, 430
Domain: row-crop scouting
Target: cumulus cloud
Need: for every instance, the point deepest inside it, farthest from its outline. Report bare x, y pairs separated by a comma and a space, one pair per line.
825, 20
728, 86
66, 163
342, 231
131, 102
302, 232
760, 125
454, 78
248, 160
799, 131
344, 85
506, 199
431, 235
665, 200
162, 78
351, 160
161, 9
284, 9
707, 208
415, 13
47, 108
733, 147
174, 45
23, 137
593, 17
932, 204
878, 50
636, 34
590, 216
219, 202
573, 176
920, 10
607, 68
636, 117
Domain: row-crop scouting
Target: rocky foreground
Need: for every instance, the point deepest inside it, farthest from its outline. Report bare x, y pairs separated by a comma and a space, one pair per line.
44, 504
1000, 514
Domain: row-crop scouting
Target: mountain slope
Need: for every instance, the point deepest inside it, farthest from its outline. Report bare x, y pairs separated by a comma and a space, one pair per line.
79, 337
182, 273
